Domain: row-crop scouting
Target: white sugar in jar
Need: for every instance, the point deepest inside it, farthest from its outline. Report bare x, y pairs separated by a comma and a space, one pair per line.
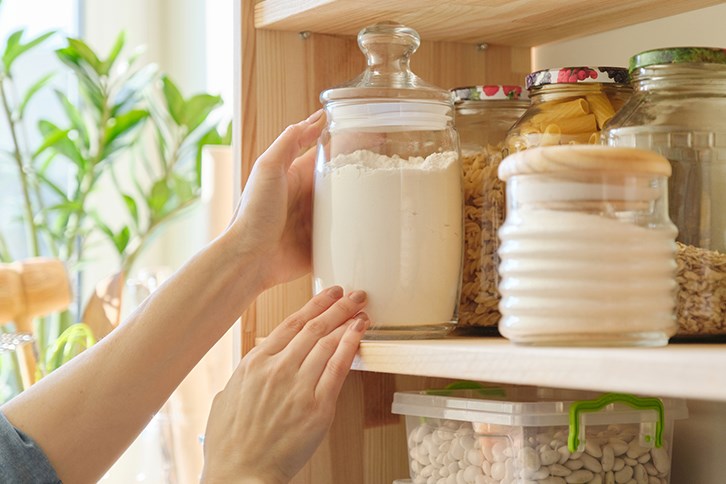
587, 249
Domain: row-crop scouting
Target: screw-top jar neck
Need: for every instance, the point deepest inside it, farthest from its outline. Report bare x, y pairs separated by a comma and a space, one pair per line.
553, 92
707, 79
677, 70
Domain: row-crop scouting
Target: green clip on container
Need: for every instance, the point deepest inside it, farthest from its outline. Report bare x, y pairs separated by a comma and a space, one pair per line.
527, 434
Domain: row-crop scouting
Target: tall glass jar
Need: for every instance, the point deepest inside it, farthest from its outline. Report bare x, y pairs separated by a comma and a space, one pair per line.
387, 213
484, 114
569, 106
587, 249
679, 110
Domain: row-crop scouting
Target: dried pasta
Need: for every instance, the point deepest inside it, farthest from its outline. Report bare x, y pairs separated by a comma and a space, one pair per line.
575, 120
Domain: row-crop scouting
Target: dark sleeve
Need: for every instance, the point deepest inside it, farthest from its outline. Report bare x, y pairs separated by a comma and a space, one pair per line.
21, 460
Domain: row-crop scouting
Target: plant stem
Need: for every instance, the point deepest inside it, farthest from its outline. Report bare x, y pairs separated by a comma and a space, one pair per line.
4, 250
25, 182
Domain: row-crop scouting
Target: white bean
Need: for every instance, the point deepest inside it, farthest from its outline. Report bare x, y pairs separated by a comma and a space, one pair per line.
579, 477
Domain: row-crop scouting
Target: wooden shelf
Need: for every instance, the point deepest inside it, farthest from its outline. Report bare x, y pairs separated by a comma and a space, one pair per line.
678, 370
505, 22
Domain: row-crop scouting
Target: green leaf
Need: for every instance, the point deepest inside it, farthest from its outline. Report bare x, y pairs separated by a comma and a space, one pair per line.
121, 239
58, 139
32, 91
14, 48
74, 116
124, 123
197, 109
158, 197
183, 188
174, 100
132, 208
107, 65
83, 52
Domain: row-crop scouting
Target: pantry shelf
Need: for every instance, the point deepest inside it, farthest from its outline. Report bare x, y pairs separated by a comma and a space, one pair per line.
516, 22
678, 370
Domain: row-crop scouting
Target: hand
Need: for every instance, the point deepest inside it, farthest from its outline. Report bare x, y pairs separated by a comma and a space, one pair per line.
280, 402
274, 216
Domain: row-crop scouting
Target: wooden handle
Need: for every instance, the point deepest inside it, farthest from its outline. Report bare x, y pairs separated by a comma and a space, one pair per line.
11, 294
32, 288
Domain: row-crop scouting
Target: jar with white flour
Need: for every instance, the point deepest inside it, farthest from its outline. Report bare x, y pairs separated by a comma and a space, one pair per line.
387, 216
587, 249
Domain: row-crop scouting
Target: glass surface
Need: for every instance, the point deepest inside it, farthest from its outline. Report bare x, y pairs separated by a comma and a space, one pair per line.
677, 110
387, 214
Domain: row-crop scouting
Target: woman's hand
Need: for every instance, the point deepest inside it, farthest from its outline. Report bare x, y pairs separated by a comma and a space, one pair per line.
274, 216
280, 402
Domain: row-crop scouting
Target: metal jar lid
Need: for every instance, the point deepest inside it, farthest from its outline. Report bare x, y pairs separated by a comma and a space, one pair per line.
575, 75
489, 92
678, 55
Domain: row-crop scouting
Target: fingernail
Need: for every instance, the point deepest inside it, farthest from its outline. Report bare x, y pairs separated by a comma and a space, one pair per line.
363, 315
357, 296
360, 325
335, 292
314, 117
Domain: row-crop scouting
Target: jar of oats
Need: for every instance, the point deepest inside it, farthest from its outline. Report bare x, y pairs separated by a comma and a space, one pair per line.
678, 110
570, 105
484, 114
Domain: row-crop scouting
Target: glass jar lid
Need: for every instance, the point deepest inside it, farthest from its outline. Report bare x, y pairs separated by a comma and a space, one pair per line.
678, 55
575, 75
490, 92
387, 94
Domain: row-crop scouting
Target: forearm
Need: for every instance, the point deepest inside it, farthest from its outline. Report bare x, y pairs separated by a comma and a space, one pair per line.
85, 414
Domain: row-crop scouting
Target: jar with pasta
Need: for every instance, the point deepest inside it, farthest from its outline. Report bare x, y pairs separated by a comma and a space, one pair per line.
570, 105
484, 114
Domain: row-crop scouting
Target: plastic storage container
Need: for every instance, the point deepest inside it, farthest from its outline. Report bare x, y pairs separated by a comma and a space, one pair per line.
387, 214
532, 435
679, 110
484, 114
587, 250
570, 105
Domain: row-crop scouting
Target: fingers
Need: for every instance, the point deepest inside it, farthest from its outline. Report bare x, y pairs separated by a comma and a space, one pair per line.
293, 324
315, 363
338, 366
319, 327
287, 146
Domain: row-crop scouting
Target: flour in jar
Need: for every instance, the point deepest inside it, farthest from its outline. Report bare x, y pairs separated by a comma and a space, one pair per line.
392, 227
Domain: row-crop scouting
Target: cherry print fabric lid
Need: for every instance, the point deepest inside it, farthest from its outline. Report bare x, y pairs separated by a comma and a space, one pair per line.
489, 92
678, 55
572, 75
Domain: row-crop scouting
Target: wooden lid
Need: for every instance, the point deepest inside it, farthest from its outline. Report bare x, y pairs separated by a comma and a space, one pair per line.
573, 158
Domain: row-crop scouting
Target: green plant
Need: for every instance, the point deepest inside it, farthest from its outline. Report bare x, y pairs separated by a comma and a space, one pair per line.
128, 117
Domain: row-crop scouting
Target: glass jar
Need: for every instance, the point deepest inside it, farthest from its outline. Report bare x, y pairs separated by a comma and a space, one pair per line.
484, 114
587, 249
569, 106
679, 110
387, 210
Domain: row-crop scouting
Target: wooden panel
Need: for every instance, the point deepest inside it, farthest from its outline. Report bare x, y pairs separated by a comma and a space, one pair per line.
366, 443
508, 22
678, 370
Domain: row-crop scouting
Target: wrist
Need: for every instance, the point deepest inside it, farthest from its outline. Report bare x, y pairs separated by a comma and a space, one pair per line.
247, 263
